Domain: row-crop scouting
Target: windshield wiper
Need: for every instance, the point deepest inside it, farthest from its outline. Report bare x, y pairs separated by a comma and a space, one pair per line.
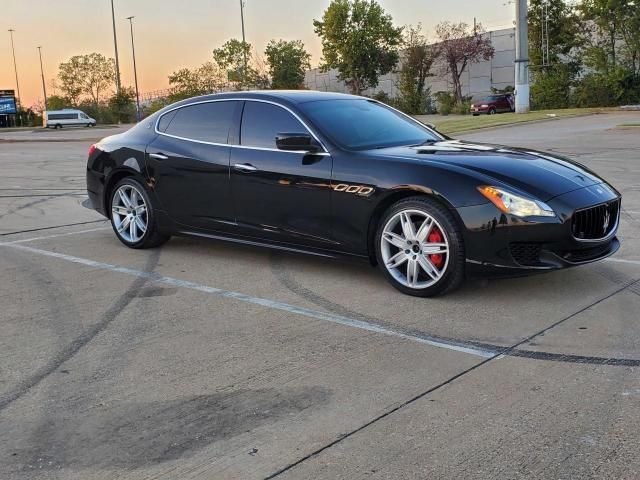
428, 141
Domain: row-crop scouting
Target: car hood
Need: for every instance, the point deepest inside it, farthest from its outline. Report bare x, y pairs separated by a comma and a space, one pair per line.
540, 174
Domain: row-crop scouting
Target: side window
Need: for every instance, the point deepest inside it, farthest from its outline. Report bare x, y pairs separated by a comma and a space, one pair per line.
261, 122
165, 120
207, 122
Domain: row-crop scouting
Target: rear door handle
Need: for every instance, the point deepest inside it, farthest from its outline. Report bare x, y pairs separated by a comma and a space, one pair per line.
158, 156
245, 167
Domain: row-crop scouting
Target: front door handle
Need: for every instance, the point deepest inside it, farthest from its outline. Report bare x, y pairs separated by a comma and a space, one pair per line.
158, 156
245, 167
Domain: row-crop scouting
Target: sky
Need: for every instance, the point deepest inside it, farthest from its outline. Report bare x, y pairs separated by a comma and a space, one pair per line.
172, 34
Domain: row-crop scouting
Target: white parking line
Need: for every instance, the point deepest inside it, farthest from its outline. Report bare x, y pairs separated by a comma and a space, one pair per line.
318, 315
622, 260
56, 235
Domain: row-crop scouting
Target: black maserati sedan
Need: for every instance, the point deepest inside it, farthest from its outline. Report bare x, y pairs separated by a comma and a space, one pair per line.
340, 175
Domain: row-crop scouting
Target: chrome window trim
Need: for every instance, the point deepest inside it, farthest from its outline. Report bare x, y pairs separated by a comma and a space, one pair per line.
325, 152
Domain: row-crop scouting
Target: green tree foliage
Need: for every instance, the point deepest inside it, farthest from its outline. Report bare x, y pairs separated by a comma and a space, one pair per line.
235, 58
288, 61
552, 86
86, 76
123, 106
418, 57
57, 102
459, 46
359, 40
564, 31
185, 83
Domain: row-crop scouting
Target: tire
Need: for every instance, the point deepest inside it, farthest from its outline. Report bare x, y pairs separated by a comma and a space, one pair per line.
57, 126
447, 269
492, 111
122, 213
476, 114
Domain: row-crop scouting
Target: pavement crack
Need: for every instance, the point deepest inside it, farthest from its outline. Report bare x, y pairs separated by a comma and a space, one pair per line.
459, 375
81, 341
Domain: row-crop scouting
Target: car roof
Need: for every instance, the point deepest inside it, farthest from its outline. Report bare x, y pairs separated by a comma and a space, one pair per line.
292, 96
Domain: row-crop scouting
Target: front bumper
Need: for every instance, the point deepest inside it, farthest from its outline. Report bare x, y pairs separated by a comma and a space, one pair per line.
503, 243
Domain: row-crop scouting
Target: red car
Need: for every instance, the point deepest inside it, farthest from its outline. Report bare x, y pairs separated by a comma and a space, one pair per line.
492, 104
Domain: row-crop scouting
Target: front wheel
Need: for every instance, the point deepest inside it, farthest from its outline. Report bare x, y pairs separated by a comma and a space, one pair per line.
492, 111
132, 216
419, 247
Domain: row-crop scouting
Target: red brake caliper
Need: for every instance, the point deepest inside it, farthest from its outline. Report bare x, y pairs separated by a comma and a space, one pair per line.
436, 237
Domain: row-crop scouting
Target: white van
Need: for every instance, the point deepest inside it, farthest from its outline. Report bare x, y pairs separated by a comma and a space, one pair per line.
67, 118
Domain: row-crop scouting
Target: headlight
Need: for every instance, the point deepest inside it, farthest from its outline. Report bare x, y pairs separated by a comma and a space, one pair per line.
510, 203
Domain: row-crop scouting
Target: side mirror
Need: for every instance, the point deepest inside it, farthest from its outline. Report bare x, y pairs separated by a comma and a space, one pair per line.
431, 126
297, 142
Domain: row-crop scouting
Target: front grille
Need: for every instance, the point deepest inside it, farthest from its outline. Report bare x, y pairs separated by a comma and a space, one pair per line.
597, 222
526, 254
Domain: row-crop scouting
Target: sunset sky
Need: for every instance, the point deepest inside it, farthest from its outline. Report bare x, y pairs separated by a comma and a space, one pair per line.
171, 35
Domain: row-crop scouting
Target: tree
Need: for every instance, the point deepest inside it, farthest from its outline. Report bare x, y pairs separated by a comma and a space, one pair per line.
459, 46
86, 75
288, 62
185, 83
616, 30
234, 57
122, 105
359, 40
56, 102
564, 30
418, 57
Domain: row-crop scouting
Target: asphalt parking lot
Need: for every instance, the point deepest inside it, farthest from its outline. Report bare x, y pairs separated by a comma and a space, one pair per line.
209, 360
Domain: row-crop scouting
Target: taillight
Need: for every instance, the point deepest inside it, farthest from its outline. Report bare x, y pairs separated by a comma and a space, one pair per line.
92, 149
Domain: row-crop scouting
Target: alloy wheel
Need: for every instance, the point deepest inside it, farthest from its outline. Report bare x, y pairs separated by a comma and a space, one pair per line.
415, 249
129, 213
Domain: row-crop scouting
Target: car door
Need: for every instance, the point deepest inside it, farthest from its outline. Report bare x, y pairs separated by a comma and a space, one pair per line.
279, 195
188, 163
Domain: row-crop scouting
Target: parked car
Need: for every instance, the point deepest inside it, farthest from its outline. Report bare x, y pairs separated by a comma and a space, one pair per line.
344, 176
67, 118
492, 104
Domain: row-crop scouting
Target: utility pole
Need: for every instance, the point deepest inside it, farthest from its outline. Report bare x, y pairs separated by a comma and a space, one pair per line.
44, 87
135, 71
522, 58
15, 69
115, 44
244, 41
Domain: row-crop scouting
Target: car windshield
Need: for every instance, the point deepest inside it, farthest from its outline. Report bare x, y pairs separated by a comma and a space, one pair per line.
492, 98
359, 124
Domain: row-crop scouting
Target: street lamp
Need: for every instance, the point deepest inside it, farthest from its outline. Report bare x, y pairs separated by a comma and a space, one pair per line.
44, 87
135, 71
244, 41
15, 69
115, 44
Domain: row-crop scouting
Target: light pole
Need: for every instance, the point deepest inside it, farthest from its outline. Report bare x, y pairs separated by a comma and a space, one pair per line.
135, 72
522, 58
44, 87
115, 44
244, 42
15, 69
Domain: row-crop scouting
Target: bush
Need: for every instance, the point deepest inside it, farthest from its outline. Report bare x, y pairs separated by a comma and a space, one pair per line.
464, 107
551, 88
619, 87
446, 102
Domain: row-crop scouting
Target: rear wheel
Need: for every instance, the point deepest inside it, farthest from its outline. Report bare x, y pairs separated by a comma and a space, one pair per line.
419, 247
132, 216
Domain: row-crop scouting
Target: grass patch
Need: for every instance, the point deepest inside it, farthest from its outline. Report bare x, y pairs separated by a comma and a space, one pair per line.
469, 122
625, 125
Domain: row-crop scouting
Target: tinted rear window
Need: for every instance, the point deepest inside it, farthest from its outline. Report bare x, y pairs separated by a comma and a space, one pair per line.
261, 122
206, 122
